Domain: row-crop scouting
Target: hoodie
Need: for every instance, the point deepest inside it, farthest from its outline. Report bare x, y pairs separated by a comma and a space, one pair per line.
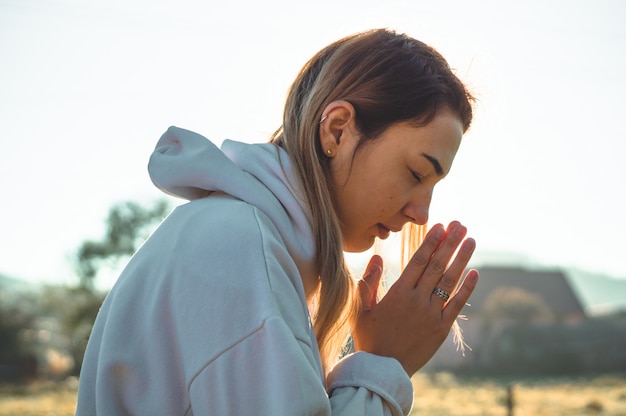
209, 317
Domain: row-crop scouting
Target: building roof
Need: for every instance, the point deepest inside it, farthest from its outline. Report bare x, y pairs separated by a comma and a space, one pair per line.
551, 286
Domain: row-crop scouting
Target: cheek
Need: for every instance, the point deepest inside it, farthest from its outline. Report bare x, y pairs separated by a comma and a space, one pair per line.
385, 201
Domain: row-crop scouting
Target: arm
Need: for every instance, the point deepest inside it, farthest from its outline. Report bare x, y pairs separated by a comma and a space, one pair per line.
269, 373
377, 385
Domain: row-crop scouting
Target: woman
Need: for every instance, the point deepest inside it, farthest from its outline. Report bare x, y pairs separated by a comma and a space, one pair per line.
240, 302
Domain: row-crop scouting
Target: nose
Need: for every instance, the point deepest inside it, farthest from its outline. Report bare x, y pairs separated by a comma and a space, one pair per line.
417, 208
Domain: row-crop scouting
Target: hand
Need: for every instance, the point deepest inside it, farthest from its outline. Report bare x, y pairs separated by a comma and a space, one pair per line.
411, 322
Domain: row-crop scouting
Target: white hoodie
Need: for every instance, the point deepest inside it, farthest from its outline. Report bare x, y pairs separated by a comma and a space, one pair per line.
210, 318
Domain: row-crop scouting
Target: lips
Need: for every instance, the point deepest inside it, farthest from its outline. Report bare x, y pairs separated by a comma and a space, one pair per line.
383, 232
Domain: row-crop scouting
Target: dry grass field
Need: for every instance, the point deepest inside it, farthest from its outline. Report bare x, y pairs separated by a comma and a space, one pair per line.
436, 395
39, 399
444, 395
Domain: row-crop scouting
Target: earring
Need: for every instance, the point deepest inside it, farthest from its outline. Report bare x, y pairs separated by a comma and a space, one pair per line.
323, 118
329, 152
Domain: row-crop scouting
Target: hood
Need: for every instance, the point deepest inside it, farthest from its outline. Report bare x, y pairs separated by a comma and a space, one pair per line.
188, 165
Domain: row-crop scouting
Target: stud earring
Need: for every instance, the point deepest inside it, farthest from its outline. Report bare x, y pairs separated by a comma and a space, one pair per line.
329, 152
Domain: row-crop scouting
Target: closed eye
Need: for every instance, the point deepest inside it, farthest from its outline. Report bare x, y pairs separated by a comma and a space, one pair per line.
417, 176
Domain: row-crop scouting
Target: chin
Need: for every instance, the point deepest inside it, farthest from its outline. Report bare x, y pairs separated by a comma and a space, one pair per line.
358, 246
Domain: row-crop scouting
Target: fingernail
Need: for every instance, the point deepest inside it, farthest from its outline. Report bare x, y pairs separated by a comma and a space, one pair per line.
371, 268
468, 245
438, 233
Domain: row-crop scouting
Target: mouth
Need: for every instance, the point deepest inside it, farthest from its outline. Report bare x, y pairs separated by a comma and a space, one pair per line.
383, 232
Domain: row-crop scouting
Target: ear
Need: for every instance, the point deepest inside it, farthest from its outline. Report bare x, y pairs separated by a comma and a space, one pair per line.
338, 118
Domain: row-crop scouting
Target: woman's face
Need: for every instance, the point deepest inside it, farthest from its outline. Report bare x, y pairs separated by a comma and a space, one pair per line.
389, 181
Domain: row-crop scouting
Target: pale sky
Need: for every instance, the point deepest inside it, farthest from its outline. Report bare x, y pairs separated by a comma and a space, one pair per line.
88, 86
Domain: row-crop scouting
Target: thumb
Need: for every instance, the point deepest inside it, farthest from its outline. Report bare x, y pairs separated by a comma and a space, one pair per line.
368, 285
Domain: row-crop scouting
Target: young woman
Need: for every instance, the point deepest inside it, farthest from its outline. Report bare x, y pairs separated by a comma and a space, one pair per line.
240, 302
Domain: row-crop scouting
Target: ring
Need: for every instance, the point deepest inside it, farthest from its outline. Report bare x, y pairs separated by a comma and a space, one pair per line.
441, 293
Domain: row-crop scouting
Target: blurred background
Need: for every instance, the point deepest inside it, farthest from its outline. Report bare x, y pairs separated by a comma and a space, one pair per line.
88, 86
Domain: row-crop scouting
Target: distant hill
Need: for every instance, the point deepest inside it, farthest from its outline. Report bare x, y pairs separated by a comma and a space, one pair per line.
11, 283
598, 292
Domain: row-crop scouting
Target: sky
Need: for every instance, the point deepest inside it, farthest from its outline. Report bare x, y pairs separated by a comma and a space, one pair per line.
88, 86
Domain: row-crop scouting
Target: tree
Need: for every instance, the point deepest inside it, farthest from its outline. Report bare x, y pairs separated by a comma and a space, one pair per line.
17, 361
516, 305
59, 319
128, 225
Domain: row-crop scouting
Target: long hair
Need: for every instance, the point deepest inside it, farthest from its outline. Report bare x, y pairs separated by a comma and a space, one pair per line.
388, 78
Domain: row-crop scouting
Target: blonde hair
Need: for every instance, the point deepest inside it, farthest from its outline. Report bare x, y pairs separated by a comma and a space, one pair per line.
388, 78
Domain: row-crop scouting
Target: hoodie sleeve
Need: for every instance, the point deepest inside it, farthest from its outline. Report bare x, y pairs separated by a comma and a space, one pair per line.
267, 373
378, 385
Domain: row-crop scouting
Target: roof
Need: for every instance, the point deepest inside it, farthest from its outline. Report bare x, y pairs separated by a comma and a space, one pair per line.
551, 286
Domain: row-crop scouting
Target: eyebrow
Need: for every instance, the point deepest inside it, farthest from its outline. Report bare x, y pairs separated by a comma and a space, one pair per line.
435, 163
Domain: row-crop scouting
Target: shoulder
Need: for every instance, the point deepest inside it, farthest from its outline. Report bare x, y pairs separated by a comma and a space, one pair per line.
221, 219
224, 235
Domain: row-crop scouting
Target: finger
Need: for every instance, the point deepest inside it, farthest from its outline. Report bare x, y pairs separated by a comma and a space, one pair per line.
452, 276
460, 298
419, 261
368, 285
459, 265
440, 260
